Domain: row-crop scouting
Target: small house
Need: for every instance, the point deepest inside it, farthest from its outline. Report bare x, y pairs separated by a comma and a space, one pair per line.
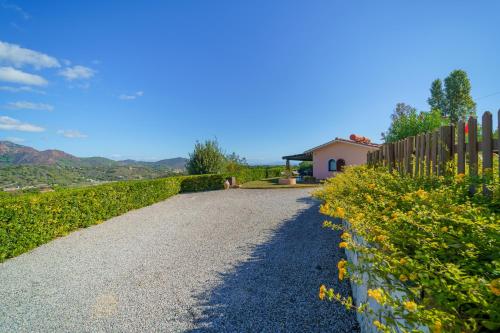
331, 157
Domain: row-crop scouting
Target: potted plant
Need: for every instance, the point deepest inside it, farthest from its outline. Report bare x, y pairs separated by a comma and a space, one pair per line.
287, 178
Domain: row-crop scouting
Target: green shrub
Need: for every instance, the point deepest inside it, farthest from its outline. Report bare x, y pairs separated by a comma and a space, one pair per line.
29, 220
256, 173
202, 183
431, 250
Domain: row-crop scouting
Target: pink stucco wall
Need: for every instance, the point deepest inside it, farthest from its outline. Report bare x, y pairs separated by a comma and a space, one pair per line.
351, 153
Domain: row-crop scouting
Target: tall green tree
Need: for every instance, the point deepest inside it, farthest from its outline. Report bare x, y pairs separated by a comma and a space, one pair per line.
407, 121
459, 102
206, 158
437, 101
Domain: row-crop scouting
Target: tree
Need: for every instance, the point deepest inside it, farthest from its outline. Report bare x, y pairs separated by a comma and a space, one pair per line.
235, 163
459, 102
206, 158
406, 121
437, 101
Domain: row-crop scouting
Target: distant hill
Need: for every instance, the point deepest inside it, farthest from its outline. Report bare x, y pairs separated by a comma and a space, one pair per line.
22, 166
12, 154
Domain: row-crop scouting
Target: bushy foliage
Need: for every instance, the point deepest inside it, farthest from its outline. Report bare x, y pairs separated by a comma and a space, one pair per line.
206, 158
27, 221
406, 121
202, 183
255, 173
430, 249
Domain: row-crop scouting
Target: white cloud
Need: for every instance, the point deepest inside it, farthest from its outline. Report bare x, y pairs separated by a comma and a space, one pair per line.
10, 74
21, 89
18, 56
77, 73
72, 134
11, 124
23, 105
132, 96
17, 9
14, 139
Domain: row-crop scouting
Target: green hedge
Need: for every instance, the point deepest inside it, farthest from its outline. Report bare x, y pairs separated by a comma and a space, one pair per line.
257, 173
202, 183
27, 221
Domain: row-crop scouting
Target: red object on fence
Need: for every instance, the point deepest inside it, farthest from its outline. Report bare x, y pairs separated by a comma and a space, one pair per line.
466, 128
359, 138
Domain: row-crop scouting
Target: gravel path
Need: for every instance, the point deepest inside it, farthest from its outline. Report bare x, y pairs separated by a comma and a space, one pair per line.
222, 261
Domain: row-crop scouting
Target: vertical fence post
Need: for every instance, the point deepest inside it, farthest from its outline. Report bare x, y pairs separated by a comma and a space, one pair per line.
422, 155
417, 155
409, 166
434, 151
391, 157
449, 136
472, 151
398, 144
405, 155
461, 147
427, 154
487, 149
440, 148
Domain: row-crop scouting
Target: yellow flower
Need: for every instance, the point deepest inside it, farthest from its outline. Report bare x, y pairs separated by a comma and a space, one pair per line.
460, 177
371, 186
377, 294
345, 235
377, 324
322, 292
342, 273
410, 306
495, 287
368, 198
437, 327
403, 261
341, 264
324, 209
444, 229
395, 216
421, 194
340, 212
403, 278
380, 238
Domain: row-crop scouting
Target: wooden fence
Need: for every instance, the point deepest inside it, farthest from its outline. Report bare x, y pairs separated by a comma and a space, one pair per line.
431, 153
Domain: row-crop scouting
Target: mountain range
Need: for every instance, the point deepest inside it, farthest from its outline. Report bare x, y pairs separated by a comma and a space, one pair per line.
12, 154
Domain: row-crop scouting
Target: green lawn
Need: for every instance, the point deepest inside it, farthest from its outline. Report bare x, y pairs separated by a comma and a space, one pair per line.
272, 183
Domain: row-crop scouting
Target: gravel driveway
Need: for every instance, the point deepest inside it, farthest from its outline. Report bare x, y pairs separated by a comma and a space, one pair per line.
222, 261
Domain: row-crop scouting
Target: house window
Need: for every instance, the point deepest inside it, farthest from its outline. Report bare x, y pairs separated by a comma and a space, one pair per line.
332, 165
340, 164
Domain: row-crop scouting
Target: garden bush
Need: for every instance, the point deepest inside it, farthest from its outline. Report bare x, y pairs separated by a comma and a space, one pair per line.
424, 238
29, 220
248, 174
202, 183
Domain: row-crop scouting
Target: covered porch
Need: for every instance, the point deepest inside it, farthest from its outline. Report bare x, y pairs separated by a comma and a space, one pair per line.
298, 157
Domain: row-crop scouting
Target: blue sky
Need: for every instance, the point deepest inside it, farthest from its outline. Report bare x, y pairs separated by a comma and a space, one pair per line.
145, 80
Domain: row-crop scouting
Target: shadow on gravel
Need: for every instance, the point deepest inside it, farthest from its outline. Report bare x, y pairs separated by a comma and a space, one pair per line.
277, 289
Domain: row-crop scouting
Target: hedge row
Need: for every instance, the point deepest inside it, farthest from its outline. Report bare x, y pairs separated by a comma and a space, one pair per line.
255, 173
28, 221
431, 250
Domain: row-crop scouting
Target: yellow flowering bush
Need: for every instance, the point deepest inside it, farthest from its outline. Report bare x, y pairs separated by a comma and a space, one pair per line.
425, 238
